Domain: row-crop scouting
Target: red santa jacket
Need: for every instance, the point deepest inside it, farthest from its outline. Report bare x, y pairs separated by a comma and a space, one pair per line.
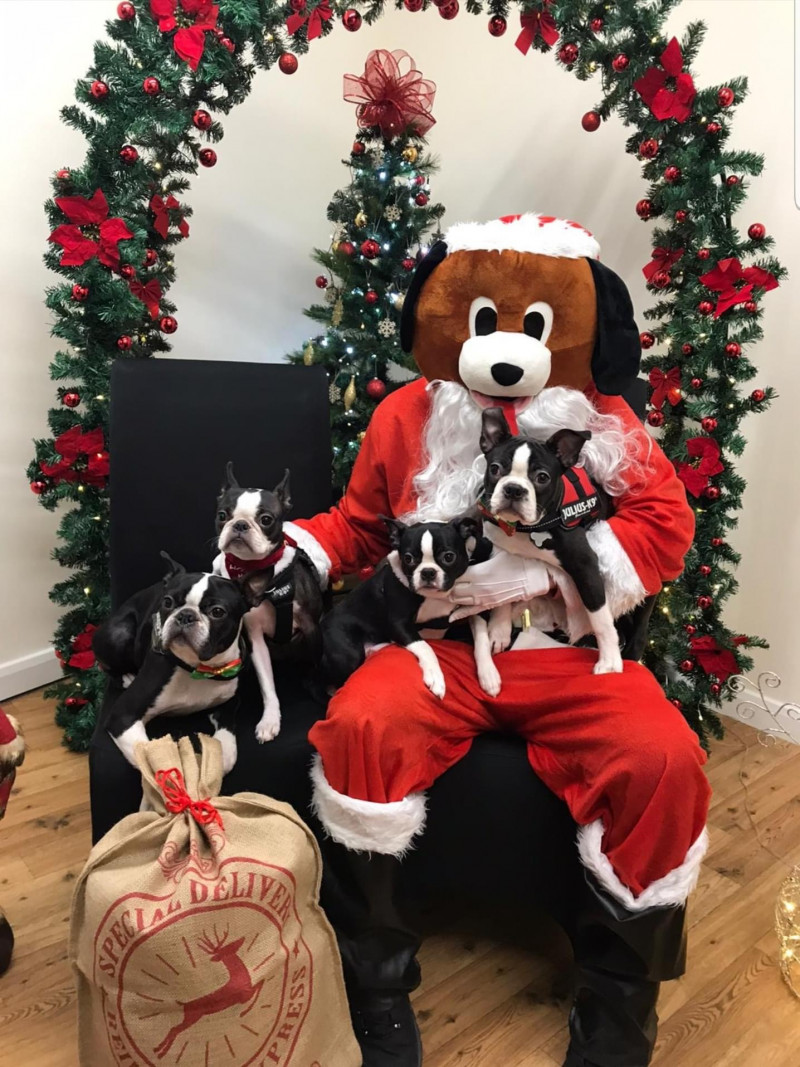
654, 526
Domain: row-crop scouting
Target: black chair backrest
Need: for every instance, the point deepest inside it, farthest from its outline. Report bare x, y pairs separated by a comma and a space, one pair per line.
175, 423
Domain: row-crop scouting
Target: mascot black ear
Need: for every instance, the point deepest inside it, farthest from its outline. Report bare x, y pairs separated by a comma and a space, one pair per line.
436, 253
617, 350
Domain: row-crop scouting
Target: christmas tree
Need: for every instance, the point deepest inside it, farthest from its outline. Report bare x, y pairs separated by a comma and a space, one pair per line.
381, 217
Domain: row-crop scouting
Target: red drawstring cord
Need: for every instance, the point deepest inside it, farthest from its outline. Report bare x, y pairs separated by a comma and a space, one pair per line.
177, 800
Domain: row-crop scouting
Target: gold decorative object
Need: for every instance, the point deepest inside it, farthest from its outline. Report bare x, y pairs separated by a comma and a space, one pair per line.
360, 436
337, 313
308, 354
787, 927
410, 154
361, 220
337, 586
334, 393
350, 394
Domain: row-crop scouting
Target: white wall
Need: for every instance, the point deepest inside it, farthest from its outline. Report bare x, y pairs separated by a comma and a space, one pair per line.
509, 139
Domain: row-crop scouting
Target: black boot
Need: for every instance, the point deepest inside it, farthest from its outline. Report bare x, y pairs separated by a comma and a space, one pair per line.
621, 956
380, 968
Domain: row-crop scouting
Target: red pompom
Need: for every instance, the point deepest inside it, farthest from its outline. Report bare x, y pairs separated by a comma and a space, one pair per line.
709, 424
704, 569
712, 492
687, 349
126, 12
124, 343
757, 396
620, 63
672, 173
351, 20
71, 399
371, 297
713, 127
591, 121
726, 96
376, 389
756, 231
568, 53
79, 293
649, 149
150, 257
128, 154
497, 25
99, 90
644, 209
409, 264
656, 418
152, 86
705, 307
703, 253
647, 339
201, 119
38, 487
168, 324
421, 199
370, 249
704, 602
681, 215
321, 282
207, 157
288, 63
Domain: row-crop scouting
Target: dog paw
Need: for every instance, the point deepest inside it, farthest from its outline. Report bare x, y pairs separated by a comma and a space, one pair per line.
499, 635
269, 725
608, 665
489, 678
434, 680
127, 679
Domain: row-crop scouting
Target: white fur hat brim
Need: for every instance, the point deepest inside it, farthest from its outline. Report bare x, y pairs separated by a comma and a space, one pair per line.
543, 235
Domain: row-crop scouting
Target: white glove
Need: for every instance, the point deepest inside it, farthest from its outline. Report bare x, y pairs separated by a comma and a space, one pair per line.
503, 579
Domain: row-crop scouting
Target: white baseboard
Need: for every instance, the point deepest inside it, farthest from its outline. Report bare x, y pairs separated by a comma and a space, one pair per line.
28, 672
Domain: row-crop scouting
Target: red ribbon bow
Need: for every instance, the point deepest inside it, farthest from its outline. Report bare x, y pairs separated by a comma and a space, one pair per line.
72, 445
667, 103
78, 248
713, 658
81, 655
727, 275
189, 42
321, 13
665, 386
149, 294
177, 800
390, 99
696, 478
662, 259
537, 24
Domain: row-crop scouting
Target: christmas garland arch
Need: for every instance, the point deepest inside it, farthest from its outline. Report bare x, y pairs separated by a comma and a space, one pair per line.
149, 109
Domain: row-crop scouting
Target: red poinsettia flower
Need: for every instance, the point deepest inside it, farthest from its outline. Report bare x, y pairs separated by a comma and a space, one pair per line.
735, 284
101, 241
713, 658
668, 103
665, 386
696, 475
71, 446
81, 654
662, 260
190, 40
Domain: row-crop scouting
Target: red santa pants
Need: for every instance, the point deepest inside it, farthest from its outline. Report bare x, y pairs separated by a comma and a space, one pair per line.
611, 746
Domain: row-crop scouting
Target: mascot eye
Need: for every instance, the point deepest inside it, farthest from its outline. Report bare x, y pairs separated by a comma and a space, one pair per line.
538, 321
217, 612
542, 478
482, 317
222, 516
448, 558
494, 470
266, 521
167, 603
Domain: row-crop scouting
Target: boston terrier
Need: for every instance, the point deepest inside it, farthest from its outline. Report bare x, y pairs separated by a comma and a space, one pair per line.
176, 648
406, 597
255, 550
534, 489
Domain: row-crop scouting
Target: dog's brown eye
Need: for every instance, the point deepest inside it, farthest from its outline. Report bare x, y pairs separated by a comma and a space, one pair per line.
542, 478
217, 612
222, 515
494, 470
266, 520
448, 557
167, 603
408, 559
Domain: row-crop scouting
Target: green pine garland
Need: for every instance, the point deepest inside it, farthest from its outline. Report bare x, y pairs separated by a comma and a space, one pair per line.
102, 319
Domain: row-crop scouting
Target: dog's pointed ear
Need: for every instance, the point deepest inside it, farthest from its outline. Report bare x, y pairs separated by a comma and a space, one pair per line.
230, 477
174, 568
617, 349
395, 527
426, 266
494, 429
282, 491
468, 525
254, 587
567, 445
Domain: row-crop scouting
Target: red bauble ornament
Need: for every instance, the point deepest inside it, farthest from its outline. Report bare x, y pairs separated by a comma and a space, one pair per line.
649, 149
413, 5
497, 26
647, 339
371, 297
756, 231
127, 272
38, 487
124, 343
713, 127
591, 121
99, 90
672, 173
409, 264
704, 569
568, 53
150, 257
321, 281
690, 630
677, 703
712, 492
696, 383
757, 396
71, 399
717, 542
227, 43
370, 249
751, 307
207, 157
351, 20
346, 248
726, 96
79, 293
376, 389
681, 215
687, 349
64, 174
152, 86
201, 119
703, 253
732, 179
715, 689
733, 349
709, 424
168, 324
126, 12
656, 418
704, 602
687, 665
359, 148
421, 199
449, 9
705, 307
420, 179
620, 63
288, 63
596, 25
644, 209
128, 154
77, 702
661, 279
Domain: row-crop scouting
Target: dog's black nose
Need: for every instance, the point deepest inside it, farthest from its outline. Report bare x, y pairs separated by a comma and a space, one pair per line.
514, 491
186, 617
427, 574
506, 373
240, 526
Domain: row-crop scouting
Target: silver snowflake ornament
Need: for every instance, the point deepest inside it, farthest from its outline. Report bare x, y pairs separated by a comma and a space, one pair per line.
393, 213
386, 328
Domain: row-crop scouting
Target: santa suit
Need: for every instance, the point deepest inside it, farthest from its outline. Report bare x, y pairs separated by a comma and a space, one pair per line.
612, 747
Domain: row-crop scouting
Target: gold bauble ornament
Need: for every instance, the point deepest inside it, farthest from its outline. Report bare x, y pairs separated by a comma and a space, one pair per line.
360, 437
350, 394
337, 313
361, 220
410, 154
308, 355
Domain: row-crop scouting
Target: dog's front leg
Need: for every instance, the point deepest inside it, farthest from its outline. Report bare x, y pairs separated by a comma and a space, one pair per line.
499, 627
579, 560
270, 722
488, 674
407, 635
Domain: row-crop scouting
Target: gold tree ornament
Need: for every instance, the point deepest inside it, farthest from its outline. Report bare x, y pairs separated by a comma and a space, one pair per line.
350, 394
410, 154
787, 927
361, 220
308, 355
337, 313
361, 435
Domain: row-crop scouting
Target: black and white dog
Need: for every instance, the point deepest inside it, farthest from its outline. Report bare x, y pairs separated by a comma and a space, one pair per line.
175, 647
281, 581
534, 489
407, 596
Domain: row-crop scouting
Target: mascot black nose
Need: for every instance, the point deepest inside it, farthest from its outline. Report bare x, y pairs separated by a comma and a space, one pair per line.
506, 373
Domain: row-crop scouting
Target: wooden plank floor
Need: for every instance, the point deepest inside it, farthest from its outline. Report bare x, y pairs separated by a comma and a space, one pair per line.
488, 999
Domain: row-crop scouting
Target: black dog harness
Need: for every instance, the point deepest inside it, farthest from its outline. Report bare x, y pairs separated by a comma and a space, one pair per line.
280, 590
579, 506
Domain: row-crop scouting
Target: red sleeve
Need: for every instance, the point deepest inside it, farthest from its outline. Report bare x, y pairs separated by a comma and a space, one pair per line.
654, 522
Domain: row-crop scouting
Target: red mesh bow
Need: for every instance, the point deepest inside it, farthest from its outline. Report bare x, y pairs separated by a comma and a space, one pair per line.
735, 284
71, 446
696, 478
102, 242
713, 658
177, 800
321, 13
667, 103
535, 24
665, 386
388, 98
662, 260
189, 42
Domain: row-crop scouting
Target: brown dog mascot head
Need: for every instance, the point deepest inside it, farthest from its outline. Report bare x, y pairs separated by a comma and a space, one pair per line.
511, 306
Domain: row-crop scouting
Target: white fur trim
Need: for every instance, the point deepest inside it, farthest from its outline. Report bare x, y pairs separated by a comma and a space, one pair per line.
670, 891
529, 233
624, 589
363, 825
313, 549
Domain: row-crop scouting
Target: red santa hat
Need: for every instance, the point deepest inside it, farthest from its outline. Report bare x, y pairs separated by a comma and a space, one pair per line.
544, 235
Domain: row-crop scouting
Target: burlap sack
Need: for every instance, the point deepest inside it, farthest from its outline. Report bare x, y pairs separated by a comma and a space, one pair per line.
197, 938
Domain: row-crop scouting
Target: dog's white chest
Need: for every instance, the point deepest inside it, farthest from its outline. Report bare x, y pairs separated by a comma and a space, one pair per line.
183, 694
